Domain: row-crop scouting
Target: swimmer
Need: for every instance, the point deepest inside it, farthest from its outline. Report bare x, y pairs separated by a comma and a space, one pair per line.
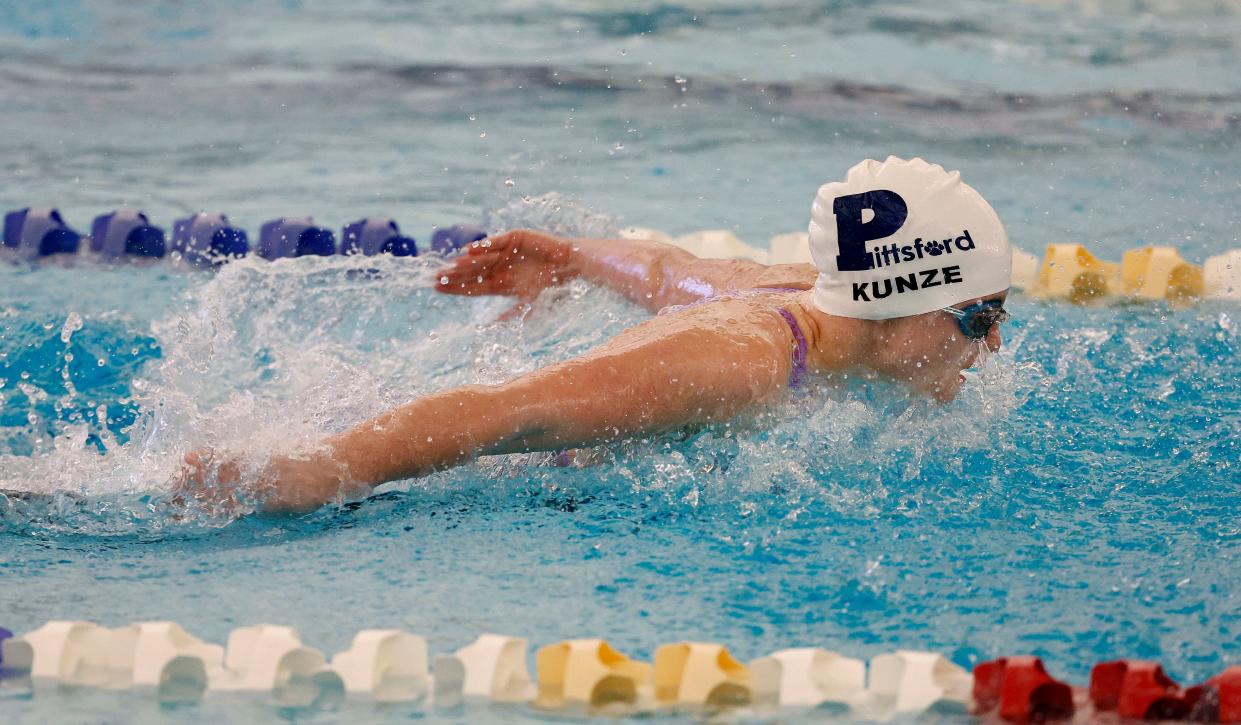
728, 336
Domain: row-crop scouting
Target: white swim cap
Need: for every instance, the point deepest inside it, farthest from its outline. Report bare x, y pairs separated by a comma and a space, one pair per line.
902, 238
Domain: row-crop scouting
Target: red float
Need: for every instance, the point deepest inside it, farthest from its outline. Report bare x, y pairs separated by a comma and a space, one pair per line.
1137, 689
1218, 699
1228, 685
1022, 689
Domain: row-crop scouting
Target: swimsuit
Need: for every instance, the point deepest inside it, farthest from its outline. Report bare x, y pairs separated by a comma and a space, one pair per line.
797, 376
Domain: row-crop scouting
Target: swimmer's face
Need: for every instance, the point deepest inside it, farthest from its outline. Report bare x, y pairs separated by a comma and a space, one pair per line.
929, 351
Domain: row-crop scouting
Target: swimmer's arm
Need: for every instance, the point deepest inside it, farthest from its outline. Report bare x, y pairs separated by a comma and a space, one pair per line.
657, 275
654, 275
653, 378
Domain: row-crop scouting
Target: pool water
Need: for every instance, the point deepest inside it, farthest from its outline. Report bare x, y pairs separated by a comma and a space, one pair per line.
1079, 501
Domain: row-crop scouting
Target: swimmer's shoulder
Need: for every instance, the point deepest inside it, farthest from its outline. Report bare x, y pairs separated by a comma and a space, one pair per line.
756, 281
785, 276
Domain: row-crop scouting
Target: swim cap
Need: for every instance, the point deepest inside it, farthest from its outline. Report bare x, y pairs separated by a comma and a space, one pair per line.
902, 238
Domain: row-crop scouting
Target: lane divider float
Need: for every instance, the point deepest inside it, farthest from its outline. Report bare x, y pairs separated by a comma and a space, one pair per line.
807, 677
272, 659
387, 665
39, 232
589, 673
492, 667
126, 232
590, 676
205, 239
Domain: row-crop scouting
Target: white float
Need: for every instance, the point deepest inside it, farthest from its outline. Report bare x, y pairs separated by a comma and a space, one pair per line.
386, 664
807, 677
700, 674
1025, 270
491, 667
719, 244
911, 682
69, 652
163, 657
270, 658
1221, 275
652, 235
589, 672
791, 248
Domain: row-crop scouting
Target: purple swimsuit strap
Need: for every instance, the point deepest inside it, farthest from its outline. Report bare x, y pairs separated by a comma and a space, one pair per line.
797, 376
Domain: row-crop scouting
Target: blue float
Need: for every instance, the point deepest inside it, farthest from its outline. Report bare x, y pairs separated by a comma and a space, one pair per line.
126, 232
376, 235
39, 231
208, 239
448, 240
295, 237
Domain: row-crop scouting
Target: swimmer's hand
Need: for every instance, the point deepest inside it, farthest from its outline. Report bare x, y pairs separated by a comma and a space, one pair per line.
519, 263
285, 484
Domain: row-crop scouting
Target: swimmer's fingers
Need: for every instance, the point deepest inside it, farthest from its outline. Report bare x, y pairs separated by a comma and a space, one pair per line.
509, 242
493, 272
481, 263
519, 263
470, 276
193, 470
194, 483
198, 463
489, 245
523, 244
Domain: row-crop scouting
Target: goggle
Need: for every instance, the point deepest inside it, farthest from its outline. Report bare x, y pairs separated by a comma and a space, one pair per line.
977, 320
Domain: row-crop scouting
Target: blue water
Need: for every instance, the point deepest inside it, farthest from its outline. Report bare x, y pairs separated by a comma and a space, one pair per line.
1079, 501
